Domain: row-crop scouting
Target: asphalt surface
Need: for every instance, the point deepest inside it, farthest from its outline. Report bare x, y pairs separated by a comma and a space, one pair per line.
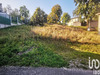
11, 70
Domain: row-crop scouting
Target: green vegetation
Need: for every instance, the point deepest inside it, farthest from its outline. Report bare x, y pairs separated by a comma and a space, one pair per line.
19, 39
39, 17
87, 9
37, 46
65, 18
55, 14
24, 13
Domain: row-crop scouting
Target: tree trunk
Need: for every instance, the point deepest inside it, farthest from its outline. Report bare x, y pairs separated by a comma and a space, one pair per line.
88, 23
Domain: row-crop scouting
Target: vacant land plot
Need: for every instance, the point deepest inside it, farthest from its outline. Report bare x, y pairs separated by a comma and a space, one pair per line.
51, 46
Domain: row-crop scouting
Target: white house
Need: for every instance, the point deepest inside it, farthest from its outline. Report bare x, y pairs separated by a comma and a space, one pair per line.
74, 22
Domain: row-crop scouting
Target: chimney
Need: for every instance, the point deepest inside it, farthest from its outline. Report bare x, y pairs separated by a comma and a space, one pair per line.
0, 7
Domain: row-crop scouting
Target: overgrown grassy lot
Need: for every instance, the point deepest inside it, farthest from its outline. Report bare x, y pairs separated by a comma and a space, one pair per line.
50, 46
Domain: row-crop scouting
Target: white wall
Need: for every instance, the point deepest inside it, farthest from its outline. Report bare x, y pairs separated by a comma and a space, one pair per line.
4, 15
4, 26
71, 22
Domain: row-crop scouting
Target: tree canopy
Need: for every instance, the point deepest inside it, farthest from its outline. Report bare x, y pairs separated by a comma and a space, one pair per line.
65, 18
55, 14
24, 12
86, 8
39, 17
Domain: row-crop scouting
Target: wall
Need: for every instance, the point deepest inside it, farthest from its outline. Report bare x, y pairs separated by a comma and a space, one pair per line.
5, 26
76, 24
4, 15
73, 21
94, 23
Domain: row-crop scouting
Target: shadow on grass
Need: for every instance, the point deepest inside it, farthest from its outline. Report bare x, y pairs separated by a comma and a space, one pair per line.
64, 48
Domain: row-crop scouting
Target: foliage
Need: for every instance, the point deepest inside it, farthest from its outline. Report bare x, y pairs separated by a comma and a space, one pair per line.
39, 17
22, 19
52, 18
8, 9
55, 14
15, 14
57, 10
65, 18
24, 12
86, 8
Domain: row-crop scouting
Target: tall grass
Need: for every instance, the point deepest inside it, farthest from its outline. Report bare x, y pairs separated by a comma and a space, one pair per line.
73, 34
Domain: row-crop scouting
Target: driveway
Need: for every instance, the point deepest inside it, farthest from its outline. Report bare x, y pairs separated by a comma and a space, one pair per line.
11, 70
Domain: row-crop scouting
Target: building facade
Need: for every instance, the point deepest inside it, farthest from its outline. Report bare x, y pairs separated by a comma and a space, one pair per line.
74, 22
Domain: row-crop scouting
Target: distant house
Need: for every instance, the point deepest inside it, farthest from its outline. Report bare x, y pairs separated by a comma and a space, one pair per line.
74, 22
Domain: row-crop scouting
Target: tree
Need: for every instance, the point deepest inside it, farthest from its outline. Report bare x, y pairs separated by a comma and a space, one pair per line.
57, 10
55, 14
86, 9
24, 12
39, 17
7, 9
14, 14
65, 18
52, 18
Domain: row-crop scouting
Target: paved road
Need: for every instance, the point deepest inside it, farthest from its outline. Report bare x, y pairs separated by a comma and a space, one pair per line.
42, 71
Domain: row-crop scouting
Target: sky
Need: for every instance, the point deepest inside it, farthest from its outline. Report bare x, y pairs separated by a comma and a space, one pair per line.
46, 5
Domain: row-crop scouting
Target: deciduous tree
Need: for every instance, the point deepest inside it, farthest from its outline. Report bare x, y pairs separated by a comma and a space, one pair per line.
52, 18
86, 9
65, 18
39, 17
55, 14
24, 12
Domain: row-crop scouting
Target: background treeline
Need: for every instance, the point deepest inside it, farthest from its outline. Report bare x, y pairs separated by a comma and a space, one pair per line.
22, 14
85, 9
39, 17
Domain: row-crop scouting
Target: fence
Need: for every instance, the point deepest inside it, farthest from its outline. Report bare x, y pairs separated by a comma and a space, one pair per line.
5, 21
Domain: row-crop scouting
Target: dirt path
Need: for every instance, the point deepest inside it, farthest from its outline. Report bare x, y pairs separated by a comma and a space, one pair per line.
11, 70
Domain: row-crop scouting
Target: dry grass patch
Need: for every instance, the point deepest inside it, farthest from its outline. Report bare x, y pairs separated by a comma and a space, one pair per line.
73, 34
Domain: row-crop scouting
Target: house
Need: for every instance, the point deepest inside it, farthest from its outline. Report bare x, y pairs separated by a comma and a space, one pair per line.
74, 22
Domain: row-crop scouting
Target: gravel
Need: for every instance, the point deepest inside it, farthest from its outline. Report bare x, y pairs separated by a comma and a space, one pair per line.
16, 70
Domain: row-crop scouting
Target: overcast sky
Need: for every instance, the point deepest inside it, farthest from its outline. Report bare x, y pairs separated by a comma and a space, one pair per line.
46, 5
